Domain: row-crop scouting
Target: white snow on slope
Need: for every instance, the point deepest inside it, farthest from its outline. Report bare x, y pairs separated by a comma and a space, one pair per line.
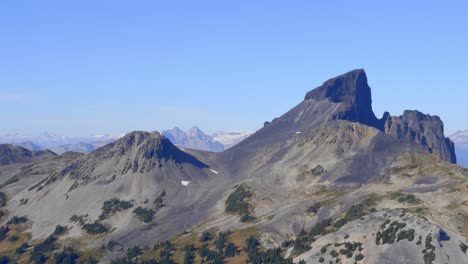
185, 183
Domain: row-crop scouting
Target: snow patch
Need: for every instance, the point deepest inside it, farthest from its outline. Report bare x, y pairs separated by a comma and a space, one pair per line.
185, 183
298, 132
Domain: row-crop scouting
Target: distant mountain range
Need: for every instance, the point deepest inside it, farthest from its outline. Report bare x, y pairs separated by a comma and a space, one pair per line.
461, 147
58, 144
195, 138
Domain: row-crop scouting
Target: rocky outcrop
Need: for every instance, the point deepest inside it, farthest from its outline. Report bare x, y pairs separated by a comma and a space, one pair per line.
415, 128
425, 131
351, 90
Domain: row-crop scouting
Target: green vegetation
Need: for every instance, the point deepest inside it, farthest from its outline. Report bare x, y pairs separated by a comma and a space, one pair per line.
112, 206
3, 199
405, 198
313, 209
350, 248
17, 220
189, 254
255, 255
428, 252
356, 212
24, 201
206, 236
143, 214
3, 232
59, 230
388, 235
463, 247
317, 171
4, 260
80, 219
237, 203
95, 228
231, 250
10, 181
159, 201
21, 249
39, 251
67, 256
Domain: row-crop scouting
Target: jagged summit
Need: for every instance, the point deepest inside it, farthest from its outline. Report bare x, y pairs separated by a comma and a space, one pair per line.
347, 97
343, 88
423, 130
352, 90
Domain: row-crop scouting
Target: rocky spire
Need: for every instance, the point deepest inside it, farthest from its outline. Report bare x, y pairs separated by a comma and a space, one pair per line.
351, 90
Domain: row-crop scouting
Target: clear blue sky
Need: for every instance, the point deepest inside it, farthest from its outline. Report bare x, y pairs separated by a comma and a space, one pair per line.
82, 67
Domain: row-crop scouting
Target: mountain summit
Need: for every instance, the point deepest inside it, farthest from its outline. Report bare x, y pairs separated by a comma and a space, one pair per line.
413, 127
351, 90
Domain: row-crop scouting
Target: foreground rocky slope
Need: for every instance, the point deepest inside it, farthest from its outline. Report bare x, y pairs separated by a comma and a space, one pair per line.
326, 182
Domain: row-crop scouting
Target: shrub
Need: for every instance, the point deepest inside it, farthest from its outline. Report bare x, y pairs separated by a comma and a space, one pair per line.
313, 208
159, 201
4, 260
206, 236
95, 228
67, 256
112, 206
134, 251
317, 171
143, 214
59, 230
355, 212
189, 255
230, 250
38, 253
17, 220
3, 232
21, 249
3, 199
237, 203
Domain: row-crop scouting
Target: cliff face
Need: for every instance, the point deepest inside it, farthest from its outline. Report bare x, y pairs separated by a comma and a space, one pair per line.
425, 131
413, 127
351, 90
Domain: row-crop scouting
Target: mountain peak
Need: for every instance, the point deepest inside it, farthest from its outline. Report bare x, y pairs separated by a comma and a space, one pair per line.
343, 88
351, 90
195, 129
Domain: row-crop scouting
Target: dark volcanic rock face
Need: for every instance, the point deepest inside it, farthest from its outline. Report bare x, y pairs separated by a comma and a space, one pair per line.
413, 127
352, 90
426, 131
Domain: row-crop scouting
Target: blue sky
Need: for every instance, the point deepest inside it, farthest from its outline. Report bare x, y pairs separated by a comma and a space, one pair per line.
82, 67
